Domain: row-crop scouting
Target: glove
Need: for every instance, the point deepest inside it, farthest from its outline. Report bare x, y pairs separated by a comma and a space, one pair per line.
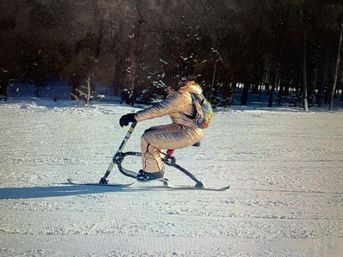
126, 119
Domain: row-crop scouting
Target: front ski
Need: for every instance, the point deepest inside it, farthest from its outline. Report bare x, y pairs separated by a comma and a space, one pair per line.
198, 186
186, 187
71, 181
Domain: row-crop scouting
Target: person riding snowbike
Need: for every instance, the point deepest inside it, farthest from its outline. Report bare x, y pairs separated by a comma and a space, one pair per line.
181, 133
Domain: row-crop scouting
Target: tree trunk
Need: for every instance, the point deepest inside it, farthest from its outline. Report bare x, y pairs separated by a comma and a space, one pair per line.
245, 93
259, 93
305, 102
4, 81
333, 87
271, 97
119, 76
280, 92
134, 57
274, 85
216, 54
314, 87
88, 94
74, 81
323, 84
287, 86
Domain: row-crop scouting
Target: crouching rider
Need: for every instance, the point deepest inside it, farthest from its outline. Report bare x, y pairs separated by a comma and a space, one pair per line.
181, 133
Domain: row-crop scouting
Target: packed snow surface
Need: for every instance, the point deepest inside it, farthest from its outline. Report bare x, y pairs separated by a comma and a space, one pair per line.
285, 168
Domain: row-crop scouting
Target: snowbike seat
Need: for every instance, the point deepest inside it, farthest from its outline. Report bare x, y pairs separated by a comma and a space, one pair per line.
170, 152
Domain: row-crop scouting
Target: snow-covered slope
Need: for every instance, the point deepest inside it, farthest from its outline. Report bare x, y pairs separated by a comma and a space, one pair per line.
285, 169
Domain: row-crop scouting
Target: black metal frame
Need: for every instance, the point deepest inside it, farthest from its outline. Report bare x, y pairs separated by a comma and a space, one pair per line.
120, 155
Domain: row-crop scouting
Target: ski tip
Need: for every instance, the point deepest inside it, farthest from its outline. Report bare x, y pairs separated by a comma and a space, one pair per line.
215, 189
224, 188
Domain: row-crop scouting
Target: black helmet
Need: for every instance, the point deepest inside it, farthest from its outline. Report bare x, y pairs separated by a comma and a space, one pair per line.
182, 80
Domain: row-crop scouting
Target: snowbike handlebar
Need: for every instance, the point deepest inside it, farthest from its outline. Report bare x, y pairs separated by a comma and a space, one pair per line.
118, 157
127, 136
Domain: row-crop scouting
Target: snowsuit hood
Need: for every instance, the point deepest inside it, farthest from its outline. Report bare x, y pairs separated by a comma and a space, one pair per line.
191, 87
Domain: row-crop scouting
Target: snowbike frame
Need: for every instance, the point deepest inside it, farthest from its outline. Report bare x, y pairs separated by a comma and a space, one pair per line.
119, 156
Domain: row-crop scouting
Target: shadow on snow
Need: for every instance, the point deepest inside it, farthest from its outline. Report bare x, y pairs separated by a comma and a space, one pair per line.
63, 190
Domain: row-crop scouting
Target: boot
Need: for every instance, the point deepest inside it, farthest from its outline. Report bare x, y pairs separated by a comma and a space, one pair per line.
146, 176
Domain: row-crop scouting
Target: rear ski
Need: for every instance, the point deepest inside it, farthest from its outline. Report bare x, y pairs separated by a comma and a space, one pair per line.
73, 182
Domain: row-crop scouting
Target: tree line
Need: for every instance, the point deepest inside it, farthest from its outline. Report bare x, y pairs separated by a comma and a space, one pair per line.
145, 45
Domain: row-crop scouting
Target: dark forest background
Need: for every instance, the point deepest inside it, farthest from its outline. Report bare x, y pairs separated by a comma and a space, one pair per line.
269, 47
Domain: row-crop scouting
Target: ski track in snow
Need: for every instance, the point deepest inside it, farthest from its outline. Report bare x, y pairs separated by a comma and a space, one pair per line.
285, 169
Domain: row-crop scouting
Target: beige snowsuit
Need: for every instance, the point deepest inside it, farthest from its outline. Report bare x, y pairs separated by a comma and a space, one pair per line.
182, 132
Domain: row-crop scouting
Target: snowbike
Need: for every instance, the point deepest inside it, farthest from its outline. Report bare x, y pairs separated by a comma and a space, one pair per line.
167, 159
